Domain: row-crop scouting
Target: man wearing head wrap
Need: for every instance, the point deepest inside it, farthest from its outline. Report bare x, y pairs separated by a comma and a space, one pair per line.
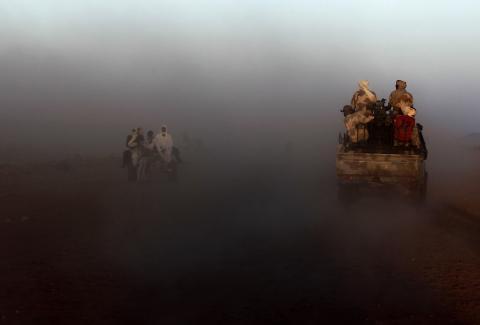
163, 142
399, 95
355, 124
133, 154
135, 144
363, 98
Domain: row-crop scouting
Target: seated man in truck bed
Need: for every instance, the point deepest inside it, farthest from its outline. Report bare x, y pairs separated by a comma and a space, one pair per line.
356, 125
406, 130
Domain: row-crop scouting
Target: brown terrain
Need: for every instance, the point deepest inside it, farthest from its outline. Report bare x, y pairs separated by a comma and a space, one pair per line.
233, 242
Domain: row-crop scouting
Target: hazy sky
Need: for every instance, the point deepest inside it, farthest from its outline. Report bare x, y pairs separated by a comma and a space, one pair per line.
70, 61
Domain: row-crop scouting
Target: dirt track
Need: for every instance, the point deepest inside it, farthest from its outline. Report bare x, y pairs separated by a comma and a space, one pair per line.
252, 243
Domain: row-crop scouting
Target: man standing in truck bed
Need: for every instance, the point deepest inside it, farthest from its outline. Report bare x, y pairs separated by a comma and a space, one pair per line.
364, 97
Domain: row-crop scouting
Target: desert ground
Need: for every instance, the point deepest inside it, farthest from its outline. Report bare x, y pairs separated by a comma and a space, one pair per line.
236, 240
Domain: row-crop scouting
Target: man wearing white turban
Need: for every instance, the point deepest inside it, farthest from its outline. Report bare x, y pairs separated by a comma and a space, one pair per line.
163, 142
363, 98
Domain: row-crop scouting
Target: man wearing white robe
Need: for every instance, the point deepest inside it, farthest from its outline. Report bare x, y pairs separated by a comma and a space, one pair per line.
363, 98
164, 144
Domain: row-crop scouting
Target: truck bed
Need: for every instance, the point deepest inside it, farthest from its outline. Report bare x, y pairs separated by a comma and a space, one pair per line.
354, 166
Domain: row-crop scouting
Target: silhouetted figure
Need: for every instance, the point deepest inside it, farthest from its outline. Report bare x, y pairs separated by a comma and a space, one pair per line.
132, 156
163, 142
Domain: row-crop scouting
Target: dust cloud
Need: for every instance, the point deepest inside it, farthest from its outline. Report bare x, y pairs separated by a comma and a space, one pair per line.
252, 231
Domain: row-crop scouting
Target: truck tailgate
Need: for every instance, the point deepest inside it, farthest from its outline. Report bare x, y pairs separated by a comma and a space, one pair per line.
379, 167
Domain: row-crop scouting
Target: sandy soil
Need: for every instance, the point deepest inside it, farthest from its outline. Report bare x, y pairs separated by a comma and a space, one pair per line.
232, 242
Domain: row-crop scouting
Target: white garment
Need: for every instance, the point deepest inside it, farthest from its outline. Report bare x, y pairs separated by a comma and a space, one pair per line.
164, 144
133, 141
356, 126
363, 85
409, 111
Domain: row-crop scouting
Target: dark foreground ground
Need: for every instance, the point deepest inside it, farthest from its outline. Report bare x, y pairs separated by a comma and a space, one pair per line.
233, 242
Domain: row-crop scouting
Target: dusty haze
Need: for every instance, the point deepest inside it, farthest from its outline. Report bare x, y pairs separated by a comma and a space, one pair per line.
75, 76
252, 231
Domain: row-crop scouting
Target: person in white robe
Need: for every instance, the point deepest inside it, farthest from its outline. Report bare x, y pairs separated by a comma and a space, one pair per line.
363, 98
163, 142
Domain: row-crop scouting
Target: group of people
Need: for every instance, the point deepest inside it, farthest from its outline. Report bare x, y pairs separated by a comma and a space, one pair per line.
142, 151
401, 111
